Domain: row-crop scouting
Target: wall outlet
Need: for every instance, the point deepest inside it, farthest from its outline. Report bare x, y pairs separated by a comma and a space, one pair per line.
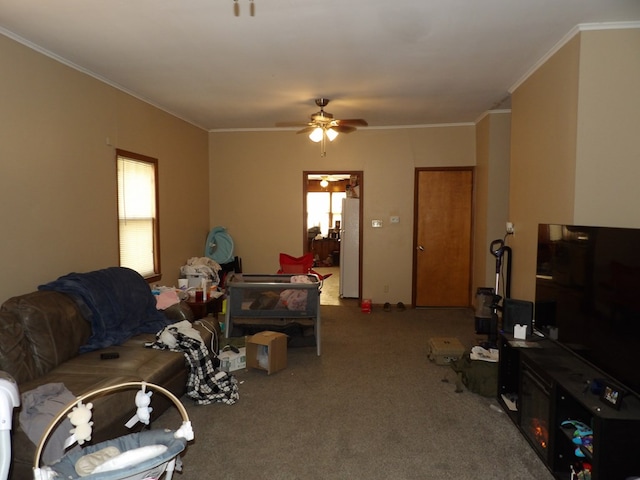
386, 289
510, 228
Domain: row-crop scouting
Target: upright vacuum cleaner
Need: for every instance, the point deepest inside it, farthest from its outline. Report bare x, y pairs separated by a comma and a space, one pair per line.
498, 250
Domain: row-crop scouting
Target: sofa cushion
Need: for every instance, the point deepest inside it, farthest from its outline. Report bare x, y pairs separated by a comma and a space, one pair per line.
38, 331
148, 364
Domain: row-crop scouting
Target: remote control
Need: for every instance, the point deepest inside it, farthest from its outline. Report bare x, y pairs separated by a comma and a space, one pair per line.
109, 355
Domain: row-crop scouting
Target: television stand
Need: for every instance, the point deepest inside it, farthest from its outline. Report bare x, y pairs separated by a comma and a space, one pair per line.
546, 390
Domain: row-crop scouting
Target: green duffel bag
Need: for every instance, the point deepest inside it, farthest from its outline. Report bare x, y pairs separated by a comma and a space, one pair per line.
477, 375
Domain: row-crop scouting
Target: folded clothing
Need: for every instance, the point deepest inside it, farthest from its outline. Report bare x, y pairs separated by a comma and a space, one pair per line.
39, 407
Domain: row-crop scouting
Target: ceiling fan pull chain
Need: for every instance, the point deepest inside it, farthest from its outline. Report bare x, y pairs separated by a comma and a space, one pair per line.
236, 8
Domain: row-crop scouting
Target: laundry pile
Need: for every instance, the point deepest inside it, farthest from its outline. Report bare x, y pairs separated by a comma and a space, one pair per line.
202, 266
205, 383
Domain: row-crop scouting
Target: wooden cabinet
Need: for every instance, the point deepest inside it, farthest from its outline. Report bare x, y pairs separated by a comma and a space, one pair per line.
211, 306
325, 248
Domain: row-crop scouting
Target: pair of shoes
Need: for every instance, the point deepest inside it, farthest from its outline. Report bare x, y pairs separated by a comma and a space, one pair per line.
387, 307
401, 306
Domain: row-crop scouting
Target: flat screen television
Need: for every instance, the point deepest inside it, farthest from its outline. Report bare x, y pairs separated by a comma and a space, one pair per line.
588, 295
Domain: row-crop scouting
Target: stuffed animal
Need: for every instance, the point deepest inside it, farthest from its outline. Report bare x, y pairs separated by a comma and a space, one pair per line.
143, 400
80, 418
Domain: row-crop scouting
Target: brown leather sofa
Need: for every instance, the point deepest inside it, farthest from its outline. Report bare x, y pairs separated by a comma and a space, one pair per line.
40, 337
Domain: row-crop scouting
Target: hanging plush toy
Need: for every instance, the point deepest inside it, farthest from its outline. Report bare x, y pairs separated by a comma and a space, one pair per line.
80, 418
143, 400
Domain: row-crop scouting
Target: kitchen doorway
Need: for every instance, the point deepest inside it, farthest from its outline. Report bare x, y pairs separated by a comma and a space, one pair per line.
336, 247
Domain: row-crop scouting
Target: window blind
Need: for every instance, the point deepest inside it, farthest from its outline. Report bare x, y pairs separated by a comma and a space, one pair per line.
137, 215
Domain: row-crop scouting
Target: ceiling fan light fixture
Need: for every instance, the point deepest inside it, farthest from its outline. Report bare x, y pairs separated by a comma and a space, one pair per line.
322, 126
316, 134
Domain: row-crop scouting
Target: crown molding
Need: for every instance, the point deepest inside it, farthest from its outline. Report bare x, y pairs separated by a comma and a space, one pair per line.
563, 41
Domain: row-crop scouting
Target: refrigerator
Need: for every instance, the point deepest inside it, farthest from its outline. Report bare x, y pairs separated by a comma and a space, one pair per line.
350, 248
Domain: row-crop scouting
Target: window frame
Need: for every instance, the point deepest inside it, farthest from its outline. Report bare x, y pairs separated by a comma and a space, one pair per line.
153, 162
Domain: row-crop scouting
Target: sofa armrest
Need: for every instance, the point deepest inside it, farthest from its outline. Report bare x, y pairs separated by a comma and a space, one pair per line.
179, 312
38, 332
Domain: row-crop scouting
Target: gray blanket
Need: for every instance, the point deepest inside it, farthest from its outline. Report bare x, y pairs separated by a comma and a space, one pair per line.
39, 407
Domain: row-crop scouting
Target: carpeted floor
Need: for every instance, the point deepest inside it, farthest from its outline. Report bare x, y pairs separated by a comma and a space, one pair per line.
371, 407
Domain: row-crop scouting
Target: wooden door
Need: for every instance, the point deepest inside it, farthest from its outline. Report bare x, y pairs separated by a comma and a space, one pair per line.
443, 220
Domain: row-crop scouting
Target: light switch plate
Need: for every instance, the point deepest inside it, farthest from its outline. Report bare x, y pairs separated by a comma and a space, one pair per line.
376, 223
394, 219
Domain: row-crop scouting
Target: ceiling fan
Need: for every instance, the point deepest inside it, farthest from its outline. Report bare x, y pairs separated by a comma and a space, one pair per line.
323, 126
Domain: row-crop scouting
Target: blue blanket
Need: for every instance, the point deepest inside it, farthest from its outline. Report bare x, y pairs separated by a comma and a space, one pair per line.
117, 301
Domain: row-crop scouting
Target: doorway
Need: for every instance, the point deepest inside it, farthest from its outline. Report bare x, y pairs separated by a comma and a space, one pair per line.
323, 228
442, 237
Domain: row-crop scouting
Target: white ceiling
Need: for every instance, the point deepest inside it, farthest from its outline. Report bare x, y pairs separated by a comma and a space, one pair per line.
395, 62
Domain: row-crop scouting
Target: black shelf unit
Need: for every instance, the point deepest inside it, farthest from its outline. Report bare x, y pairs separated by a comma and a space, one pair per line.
541, 384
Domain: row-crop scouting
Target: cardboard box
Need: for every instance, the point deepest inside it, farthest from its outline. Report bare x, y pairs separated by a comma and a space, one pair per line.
444, 350
267, 351
237, 361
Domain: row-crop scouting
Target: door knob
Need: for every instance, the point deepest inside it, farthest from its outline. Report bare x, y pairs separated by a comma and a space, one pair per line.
421, 248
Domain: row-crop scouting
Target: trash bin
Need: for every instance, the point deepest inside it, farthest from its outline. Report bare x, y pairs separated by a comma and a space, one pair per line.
483, 312
335, 255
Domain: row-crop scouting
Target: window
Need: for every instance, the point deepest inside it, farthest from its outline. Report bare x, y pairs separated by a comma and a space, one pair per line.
336, 207
323, 209
138, 224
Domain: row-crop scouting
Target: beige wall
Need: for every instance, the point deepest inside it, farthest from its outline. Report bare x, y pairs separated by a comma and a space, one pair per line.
59, 131
58, 175
491, 192
608, 142
574, 159
256, 184
575, 149
542, 176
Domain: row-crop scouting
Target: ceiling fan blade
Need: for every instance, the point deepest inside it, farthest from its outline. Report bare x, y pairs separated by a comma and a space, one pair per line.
344, 128
358, 122
291, 124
